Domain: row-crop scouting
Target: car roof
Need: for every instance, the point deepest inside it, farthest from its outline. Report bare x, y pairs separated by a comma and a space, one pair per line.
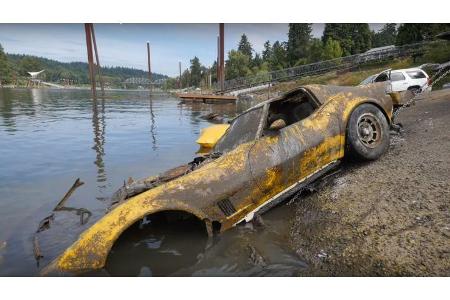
407, 70
319, 91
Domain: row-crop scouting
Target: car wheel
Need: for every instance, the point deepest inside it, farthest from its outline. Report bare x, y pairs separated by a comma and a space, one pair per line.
367, 133
414, 89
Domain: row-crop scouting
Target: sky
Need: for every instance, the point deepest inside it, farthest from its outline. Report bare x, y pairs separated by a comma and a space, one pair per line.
125, 44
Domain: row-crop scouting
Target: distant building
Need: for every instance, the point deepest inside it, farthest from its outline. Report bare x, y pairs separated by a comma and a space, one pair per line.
34, 81
34, 75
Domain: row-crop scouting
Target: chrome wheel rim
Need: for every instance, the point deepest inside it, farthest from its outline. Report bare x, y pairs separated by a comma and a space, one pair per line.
369, 130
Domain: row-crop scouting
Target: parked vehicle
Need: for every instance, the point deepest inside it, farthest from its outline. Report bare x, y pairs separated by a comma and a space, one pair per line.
414, 79
267, 154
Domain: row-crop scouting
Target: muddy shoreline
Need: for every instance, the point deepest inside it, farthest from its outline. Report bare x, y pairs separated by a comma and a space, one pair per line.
390, 217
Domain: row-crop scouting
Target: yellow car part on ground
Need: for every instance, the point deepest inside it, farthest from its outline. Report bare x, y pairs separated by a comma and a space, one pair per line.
211, 135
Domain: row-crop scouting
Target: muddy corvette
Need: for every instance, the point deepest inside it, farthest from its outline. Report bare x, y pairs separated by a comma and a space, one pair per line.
267, 154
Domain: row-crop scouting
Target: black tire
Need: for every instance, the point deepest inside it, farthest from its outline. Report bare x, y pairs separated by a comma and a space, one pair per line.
367, 133
414, 89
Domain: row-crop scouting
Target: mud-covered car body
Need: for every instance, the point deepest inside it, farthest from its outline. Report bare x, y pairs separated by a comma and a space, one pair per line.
252, 168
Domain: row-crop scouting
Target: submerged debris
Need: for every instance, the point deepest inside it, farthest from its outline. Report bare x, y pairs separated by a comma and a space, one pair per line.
133, 188
72, 189
37, 249
256, 258
213, 117
45, 223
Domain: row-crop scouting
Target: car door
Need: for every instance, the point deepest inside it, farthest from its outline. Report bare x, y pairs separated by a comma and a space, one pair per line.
316, 140
418, 78
383, 76
284, 158
399, 82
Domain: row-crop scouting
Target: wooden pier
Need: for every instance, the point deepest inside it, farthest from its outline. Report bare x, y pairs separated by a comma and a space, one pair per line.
207, 98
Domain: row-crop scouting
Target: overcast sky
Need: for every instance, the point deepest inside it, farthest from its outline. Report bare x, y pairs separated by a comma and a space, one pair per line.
125, 44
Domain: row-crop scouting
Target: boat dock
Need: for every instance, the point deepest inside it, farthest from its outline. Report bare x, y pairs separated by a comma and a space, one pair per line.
207, 98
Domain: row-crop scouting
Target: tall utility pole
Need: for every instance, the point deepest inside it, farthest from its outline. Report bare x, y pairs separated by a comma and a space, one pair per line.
179, 80
149, 67
222, 64
87, 29
218, 62
100, 77
93, 68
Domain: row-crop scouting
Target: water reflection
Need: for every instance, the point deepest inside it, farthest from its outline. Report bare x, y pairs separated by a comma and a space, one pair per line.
6, 108
152, 124
99, 126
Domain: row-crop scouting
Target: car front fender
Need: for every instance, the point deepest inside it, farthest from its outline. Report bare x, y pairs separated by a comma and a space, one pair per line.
91, 249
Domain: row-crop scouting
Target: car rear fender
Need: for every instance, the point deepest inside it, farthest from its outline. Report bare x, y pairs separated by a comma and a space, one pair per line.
367, 101
342, 106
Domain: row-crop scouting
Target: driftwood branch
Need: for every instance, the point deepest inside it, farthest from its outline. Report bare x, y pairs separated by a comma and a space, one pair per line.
75, 185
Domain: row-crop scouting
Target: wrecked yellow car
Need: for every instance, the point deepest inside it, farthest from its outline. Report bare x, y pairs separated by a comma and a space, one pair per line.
267, 154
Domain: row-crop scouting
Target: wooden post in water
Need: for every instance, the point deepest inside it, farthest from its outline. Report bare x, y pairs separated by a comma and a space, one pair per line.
149, 67
88, 31
222, 64
97, 60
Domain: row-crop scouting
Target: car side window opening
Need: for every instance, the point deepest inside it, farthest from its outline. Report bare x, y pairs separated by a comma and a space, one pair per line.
416, 74
243, 129
397, 76
382, 77
290, 110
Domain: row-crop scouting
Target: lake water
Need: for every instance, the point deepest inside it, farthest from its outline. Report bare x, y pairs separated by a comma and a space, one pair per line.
48, 138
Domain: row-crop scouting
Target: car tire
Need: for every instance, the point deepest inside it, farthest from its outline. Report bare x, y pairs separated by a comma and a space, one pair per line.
367, 133
414, 89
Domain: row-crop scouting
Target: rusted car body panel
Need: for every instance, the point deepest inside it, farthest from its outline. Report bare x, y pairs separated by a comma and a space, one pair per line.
241, 182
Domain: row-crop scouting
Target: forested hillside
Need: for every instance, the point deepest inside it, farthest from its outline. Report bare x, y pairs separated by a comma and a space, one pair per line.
15, 66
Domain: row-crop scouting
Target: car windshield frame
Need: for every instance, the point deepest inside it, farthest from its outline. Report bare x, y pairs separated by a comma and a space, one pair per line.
226, 143
368, 80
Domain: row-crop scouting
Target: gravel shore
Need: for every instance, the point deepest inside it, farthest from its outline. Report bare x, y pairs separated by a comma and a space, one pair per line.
390, 217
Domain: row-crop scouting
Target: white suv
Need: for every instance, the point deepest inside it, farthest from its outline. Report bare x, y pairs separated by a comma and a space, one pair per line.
414, 80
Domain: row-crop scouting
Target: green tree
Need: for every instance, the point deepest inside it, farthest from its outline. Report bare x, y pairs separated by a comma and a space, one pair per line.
5, 68
339, 32
214, 72
361, 37
278, 60
386, 36
315, 52
29, 64
185, 79
237, 65
352, 37
195, 72
257, 61
332, 49
409, 33
245, 47
267, 52
170, 84
299, 37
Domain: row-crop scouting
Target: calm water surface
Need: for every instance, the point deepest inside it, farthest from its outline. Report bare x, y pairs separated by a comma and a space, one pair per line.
48, 138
